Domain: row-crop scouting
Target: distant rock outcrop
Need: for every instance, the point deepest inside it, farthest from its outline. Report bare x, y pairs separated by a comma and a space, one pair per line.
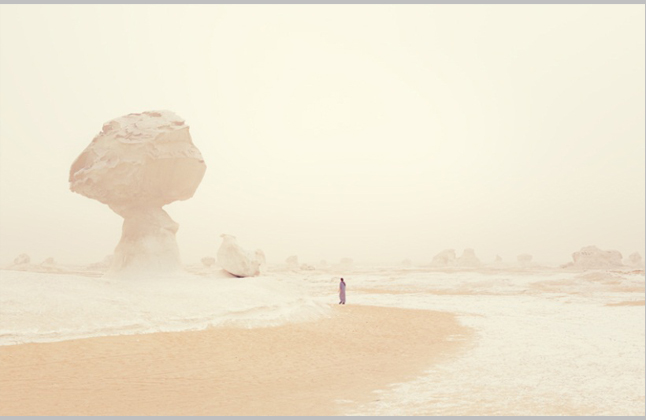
208, 261
634, 260
524, 259
497, 262
104, 264
346, 263
49, 262
238, 261
468, 259
292, 261
593, 257
22, 259
23, 263
445, 258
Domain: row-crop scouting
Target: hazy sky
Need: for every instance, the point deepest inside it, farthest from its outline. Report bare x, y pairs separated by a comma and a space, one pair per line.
375, 132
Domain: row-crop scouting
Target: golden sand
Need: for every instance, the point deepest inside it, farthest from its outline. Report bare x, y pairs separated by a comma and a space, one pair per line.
628, 303
296, 369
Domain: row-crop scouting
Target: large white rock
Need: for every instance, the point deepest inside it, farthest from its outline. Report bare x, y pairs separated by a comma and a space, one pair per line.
238, 261
593, 257
468, 259
445, 258
137, 164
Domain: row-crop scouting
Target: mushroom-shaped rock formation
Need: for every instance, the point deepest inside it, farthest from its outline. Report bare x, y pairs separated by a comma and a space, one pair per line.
238, 261
445, 258
593, 257
137, 164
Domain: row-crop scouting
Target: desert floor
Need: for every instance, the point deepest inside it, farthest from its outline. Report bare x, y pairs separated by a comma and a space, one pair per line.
410, 341
309, 368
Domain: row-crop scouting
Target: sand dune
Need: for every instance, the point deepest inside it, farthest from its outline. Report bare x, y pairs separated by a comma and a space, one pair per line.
309, 368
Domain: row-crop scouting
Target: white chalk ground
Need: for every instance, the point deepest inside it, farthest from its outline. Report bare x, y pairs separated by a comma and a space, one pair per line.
547, 343
39, 307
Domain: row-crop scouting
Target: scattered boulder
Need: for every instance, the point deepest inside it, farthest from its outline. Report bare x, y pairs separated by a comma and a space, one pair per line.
292, 261
307, 267
468, 259
593, 257
445, 258
634, 260
48, 262
22, 259
238, 261
208, 261
497, 262
524, 259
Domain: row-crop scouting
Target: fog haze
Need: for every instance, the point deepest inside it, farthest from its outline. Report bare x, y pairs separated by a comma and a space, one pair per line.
375, 132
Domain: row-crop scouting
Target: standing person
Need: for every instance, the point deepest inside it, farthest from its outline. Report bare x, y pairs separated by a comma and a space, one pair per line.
342, 292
